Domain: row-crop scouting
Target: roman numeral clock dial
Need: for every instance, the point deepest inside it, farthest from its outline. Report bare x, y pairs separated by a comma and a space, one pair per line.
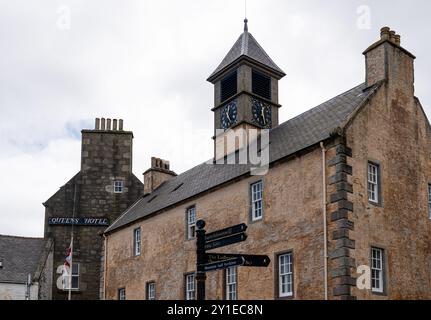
261, 113
229, 115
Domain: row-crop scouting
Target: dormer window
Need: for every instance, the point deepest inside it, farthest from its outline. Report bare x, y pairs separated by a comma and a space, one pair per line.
261, 85
229, 86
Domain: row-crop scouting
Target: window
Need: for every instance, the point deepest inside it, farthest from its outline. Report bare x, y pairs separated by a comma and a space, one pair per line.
285, 275
191, 222
229, 86
377, 276
75, 278
151, 291
261, 85
118, 186
122, 294
373, 182
190, 286
256, 201
429, 201
231, 283
137, 241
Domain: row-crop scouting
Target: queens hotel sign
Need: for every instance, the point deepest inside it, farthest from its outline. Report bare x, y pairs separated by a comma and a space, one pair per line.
97, 222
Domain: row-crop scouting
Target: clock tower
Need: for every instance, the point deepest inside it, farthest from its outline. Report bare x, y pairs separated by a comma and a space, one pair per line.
245, 93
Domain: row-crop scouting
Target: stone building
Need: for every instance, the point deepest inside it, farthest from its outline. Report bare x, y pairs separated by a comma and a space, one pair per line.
96, 196
347, 190
25, 268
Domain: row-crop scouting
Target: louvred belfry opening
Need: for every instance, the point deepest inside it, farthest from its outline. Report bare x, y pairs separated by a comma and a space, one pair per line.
229, 86
261, 85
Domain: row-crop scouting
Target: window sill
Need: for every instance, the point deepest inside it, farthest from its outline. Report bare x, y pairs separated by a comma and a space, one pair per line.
285, 298
256, 220
375, 204
376, 293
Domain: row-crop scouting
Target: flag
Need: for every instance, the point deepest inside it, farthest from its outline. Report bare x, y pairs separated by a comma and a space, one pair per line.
68, 259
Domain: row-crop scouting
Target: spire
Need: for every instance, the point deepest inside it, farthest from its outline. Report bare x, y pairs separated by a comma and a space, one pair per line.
246, 47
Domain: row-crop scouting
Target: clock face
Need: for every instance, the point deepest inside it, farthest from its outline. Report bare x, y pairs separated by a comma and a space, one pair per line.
261, 113
229, 115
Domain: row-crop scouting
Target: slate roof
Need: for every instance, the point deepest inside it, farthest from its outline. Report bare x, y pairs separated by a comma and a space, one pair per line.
20, 257
247, 46
286, 139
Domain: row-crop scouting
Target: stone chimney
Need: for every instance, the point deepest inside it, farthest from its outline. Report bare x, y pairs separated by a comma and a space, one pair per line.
157, 174
387, 61
107, 147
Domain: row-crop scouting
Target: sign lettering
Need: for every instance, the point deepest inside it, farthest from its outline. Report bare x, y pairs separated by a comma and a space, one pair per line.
67, 221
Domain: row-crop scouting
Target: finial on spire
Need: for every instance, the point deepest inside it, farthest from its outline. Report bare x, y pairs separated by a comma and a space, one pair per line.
245, 15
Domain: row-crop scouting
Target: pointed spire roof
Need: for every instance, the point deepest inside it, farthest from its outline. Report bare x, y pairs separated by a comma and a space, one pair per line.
247, 47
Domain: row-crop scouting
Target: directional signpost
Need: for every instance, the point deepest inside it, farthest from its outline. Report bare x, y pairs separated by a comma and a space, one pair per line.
233, 262
206, 262
249, 260
226, 232
225, 241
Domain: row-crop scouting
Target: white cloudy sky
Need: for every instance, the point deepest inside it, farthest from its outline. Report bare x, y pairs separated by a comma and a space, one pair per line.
147, 61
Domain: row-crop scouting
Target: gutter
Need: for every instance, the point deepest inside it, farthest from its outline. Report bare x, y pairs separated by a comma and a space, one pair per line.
325, 237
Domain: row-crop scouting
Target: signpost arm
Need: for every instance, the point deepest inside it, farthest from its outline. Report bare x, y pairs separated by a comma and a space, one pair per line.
200, 260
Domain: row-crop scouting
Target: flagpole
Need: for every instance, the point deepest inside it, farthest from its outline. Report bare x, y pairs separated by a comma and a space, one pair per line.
71, 246
70, 267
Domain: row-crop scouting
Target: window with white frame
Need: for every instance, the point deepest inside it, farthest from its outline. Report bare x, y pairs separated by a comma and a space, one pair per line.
231, 283
429, 201
118, 186
377, 276
373, 182
191, 222
151, 291
137, 241
285, 275
71, 281
122, 294
256, 201
190, 287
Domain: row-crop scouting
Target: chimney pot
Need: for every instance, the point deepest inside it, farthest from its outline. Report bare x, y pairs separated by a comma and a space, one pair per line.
384, 33
108, 124
120, 125
392, 35
114, 124
157, 174
97, 125
398, 40
102, 124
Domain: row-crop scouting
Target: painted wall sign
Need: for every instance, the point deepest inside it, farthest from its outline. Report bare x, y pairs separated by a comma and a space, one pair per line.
64, 221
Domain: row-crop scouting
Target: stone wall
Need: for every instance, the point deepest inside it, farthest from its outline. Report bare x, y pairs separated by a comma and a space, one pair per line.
395, 133
292, 221
106, 157
16, 291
